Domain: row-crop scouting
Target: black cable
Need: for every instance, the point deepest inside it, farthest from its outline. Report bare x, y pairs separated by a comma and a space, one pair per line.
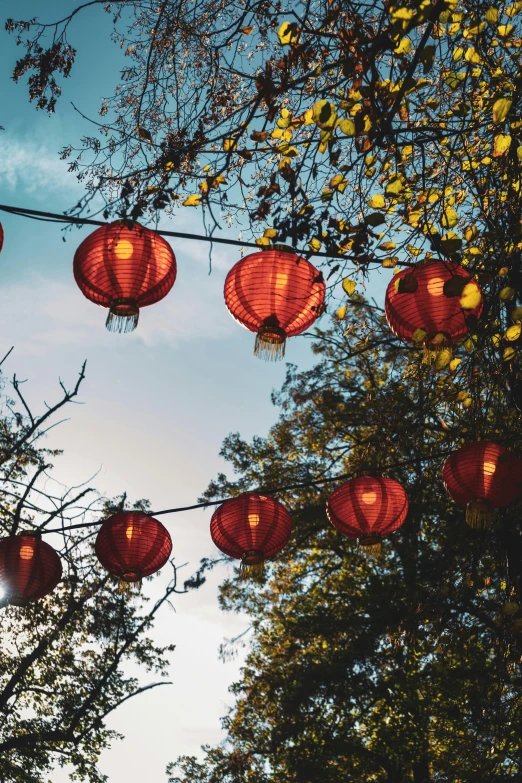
52, 217
313, 483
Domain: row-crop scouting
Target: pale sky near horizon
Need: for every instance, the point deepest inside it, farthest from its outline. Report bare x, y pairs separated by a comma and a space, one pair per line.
158, 402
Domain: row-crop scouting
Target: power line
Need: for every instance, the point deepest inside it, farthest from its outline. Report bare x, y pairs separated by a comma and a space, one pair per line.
53, 217
275, 491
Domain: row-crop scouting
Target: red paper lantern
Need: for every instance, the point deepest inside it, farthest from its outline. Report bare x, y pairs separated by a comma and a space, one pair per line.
276, 294
29, 568
132, 545
367, 508
251, 528
435, 304
482, 476
1, 237
124, 266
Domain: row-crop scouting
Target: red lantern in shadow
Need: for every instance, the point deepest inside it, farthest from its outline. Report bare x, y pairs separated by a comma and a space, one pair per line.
1, 237
435, 304
132, 545
251, 528
29, 568
276, 294
482, 476
124, 267
367, 508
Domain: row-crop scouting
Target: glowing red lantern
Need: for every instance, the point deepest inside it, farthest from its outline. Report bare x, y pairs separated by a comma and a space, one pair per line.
276, 294
367, 508
124, 266
1, 237
435, 304
251, 528
132, 545
482, 476
29, 568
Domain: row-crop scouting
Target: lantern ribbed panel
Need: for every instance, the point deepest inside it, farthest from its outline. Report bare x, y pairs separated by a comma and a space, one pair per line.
118, 262
367, 506
1, 237
275, 288
251, 523
429, 308
483, 471
29, 568
132, 545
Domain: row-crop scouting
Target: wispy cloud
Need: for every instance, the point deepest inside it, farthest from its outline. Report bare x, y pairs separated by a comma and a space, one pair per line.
56, 314
33, 167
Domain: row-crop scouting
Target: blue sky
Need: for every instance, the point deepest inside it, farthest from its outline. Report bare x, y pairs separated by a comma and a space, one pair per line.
158, 402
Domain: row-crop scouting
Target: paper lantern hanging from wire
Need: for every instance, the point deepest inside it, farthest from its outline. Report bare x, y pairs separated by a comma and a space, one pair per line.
124, 266
29, 568
252, 528
368, 508
132, 545
482, 476
434, 305
276, 294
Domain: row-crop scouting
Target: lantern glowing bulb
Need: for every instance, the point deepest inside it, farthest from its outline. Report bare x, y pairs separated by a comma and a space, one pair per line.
369, 498
26, 552
253, 520
489, 468
128, 532
123, 249
436, 286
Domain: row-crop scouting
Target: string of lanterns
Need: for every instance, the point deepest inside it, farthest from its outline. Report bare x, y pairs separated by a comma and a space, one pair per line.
276, 294
254, 528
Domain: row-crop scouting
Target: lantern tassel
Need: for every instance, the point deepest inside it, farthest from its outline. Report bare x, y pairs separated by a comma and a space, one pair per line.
371, 544
432, 352
479, 514
252, 566
123, 316
270, 344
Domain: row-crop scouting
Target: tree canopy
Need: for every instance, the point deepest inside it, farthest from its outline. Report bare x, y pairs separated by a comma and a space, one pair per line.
394, 668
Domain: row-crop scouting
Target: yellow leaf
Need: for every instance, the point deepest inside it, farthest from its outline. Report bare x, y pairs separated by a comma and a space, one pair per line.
394, 186
418, 335
387, 246
513, 333
194, 200
341, 312
288, 33
324, 114
450, 218
516, 314
454, 364
271, 233
470, 233
229, 144
505, 30
443, 358
338, 182
389, 263
349, 285
507, 293
347, 127
492, 15
315, 245
404, 46
263, 241
501, 144
377, 202
510, 608
501, 109
247, 30
509, 354
471, 297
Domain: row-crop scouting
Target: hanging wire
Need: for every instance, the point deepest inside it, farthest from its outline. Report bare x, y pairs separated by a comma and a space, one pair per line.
275, 491
53, 217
